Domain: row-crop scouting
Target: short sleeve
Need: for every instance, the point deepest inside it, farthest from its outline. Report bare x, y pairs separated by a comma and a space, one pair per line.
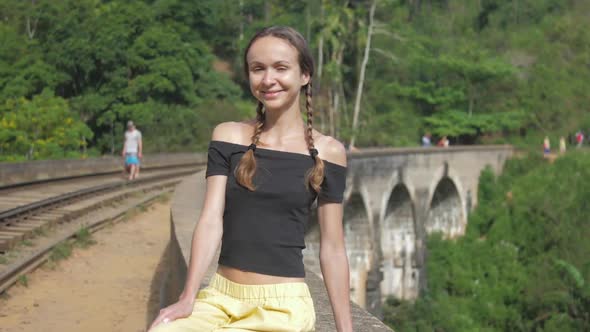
218, 160
334, 183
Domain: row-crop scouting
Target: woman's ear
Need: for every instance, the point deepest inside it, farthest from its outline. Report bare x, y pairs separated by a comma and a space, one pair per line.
305, 78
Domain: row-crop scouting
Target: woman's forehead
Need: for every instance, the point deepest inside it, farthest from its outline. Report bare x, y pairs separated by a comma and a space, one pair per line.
271, 50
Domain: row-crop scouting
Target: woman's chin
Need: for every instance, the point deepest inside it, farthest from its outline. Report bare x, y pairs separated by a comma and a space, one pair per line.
276, 104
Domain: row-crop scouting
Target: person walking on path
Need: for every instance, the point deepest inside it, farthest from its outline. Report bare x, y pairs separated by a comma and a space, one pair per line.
262, 177
132, 150
579, 139
562, 146
546, 146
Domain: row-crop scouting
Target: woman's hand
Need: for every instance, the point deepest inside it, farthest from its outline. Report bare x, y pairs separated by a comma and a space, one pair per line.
181, 309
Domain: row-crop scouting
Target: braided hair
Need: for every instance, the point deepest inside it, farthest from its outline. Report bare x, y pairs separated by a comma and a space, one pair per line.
247, 166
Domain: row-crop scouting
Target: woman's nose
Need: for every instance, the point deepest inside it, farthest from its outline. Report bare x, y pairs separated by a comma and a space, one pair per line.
268, 78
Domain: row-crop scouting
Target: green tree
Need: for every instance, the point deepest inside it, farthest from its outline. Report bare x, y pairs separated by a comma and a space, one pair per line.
43, 127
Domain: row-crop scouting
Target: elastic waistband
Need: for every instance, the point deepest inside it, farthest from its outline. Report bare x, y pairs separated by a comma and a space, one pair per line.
243, 292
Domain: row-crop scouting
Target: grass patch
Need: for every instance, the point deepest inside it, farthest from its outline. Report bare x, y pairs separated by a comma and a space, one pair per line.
3, 259
23, 281
27, 243
61, 251
84, 238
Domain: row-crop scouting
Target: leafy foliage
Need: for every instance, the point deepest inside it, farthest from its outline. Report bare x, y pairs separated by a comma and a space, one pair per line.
475, 71
109, 62
41, 127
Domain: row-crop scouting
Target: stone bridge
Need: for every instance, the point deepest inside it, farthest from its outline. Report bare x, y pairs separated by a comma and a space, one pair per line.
393, 199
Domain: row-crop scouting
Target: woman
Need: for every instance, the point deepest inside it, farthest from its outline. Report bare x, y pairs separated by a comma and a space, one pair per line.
262, 178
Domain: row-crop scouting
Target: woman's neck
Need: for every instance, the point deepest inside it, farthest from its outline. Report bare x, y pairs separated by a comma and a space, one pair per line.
282, 125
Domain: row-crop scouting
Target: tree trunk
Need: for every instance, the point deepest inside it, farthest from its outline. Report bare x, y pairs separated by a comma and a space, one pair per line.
112, 138
32, 147
334, 110
471, 96
84, 145
337, 93
307, 20
415, 6
267, 7
330, 111
344, 112
241, 37
32, 29
318, 81
359, 91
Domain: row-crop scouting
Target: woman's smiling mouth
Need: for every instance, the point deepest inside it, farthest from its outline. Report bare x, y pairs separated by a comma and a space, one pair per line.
270, 94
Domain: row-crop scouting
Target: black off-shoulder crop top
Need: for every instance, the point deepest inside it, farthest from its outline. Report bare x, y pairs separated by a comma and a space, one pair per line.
263, 230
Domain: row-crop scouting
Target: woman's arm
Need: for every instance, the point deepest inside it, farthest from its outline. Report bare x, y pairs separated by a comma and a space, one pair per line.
334, 263
209, 229
205, 241
207, 235
206, 238
333, 259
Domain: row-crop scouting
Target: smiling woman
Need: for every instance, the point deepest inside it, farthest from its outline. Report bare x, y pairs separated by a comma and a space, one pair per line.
257, 202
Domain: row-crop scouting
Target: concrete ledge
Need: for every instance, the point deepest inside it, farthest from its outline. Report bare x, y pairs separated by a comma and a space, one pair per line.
186, 206
375, 152
34, 171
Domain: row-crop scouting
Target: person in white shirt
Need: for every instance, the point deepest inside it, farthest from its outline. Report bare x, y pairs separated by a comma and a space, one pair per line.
132, 150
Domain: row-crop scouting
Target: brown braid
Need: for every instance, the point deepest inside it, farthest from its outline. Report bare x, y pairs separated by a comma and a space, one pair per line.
315, 175
247, 166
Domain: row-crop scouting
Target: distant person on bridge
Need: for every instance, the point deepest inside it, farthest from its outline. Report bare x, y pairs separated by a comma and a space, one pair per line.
262, 177
426, 142
579, 139
546, 146
132, 150
443, 142
562, 146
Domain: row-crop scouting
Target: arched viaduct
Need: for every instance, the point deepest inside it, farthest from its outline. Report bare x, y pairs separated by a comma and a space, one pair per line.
393, 199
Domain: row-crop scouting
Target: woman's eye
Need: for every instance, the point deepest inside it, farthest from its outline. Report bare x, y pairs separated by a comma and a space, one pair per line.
282, 68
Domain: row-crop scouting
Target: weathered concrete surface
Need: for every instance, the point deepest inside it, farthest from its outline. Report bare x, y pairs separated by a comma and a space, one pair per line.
23, 172
186, 206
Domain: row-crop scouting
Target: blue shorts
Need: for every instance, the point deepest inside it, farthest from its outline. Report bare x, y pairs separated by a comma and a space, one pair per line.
131, 159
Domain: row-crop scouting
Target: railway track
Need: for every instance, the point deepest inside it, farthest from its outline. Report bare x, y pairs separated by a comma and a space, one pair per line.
59, 209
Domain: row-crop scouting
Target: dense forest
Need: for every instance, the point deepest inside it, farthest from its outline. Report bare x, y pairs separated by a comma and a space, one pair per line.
72, 72
524, 263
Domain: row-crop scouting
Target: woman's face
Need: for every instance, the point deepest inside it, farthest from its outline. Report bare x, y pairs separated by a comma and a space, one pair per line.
274, 73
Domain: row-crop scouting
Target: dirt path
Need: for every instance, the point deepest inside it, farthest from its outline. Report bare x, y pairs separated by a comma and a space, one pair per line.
109, 286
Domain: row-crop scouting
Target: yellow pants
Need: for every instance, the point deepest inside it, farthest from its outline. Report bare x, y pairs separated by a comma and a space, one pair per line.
228, 306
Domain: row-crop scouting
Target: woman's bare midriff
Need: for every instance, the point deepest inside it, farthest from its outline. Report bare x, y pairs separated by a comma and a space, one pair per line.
252, 278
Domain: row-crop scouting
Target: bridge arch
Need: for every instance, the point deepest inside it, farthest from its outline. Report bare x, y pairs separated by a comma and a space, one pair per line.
358, 237
446, 212
398, 245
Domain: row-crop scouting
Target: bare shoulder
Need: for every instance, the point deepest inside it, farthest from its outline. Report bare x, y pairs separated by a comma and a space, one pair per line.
233, 132
330, 149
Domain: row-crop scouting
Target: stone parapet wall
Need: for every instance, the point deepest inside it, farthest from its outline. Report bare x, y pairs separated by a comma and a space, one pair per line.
41, 170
